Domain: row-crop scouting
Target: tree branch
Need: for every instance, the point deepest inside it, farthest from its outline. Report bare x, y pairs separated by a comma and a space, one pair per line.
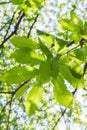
35, 20
4, 107
21, 85
9, 114
63, 112
2, 3
59, 119
13, 94
81, 43
14, 32
6, 92
70, 50
9, 24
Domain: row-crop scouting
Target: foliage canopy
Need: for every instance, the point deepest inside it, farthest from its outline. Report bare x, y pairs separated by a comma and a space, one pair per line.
41, 69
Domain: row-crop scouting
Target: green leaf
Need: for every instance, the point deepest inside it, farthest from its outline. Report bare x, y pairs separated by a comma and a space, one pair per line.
25, 55
66, 73
61, 94
61, 42
69, 25
75, 74
79, 83
44, 49
45, 71
81, 53
21, 42
50, 39
42, 33
21, 91
34, 99
27, 3
75, 19
85, 26
18, 74
38, 3
76, 36
55, 67
18, 2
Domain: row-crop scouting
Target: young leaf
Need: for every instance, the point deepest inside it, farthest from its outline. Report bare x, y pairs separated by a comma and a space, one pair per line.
44, 49
61, 42
73, 79
27, 3
34, 99
26, 56
42, 33
38, 3
75, 74
76, 36
21, 42
81, 53
18, 74
76, 20
61, 94
66, 73
45, 71
21, 91
55, 67
69, 25
50, 40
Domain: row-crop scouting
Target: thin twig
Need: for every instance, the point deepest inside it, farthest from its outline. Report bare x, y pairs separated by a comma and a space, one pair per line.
4, 107
74, 91
9, 114
59, 119
6, 92
10, 102
63, 112
21, 85
14, 32
81, 43
32, 25
2, 3
13, 94
70, 50
10, 24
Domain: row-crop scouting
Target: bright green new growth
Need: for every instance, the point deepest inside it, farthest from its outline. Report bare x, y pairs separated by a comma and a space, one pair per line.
34, 99
48, 64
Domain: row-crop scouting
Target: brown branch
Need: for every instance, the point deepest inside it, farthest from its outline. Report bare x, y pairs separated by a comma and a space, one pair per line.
63, 112
10, 102
70, 50
21, 85
70, 43
4, 107
81, 43
35, 20
10, 24
13, 94
2, 3
14, 32
59, 119
74, 92
6, 92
